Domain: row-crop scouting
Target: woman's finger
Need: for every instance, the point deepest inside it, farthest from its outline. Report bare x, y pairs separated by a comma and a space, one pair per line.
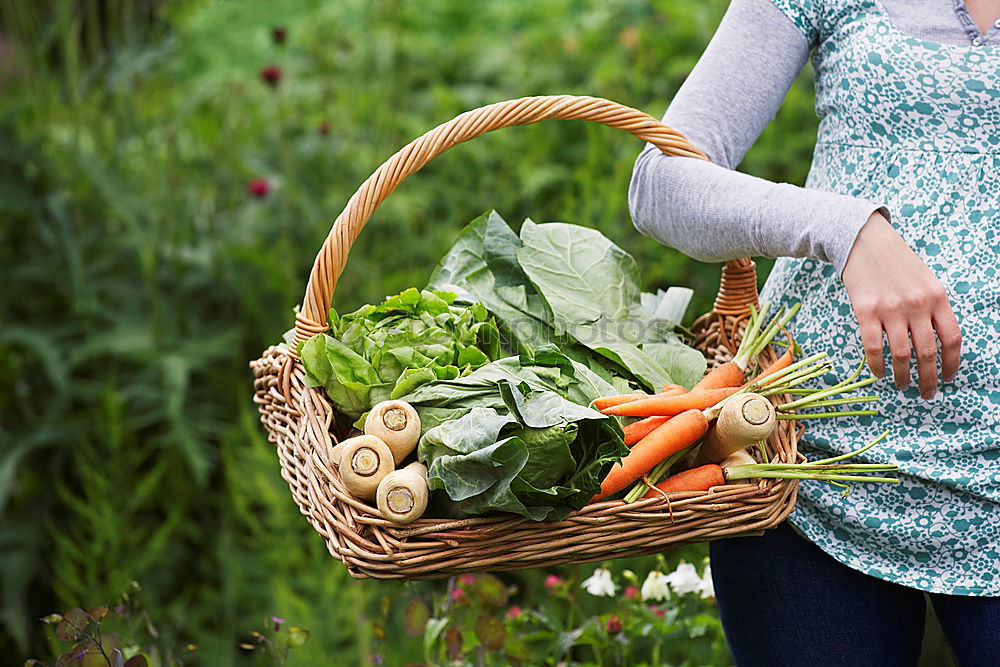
925, 347
871, 341
950, 335
898, 334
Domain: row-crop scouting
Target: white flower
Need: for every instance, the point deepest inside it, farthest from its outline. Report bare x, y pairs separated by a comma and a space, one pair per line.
600, 583
707, 588
684, 579
655, 587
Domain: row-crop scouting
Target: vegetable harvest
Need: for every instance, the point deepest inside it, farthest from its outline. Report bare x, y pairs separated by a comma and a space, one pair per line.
514, 383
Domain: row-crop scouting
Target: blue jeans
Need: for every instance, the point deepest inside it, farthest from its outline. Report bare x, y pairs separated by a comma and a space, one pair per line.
783, 601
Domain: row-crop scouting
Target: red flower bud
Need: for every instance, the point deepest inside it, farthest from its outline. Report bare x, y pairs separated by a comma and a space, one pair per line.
271, 75
324, 127
259, 187
631, 593
278, 34
467, 579
552, 581
614, 625
513, 612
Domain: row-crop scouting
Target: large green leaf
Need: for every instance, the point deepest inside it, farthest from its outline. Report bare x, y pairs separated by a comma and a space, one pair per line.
687, 365
592, 287
536, 454
583, 275
482, 266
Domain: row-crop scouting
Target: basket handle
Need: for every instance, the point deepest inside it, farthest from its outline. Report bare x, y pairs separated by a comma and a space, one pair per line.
330, 260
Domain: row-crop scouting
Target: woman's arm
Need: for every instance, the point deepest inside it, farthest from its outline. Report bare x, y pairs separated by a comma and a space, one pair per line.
711, 212
708, 210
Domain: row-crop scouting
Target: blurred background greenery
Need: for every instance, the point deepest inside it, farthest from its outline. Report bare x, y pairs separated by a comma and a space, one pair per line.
162, 195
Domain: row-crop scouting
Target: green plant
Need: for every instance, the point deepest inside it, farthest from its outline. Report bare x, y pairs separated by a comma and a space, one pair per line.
122, 635
141, 272
669, 620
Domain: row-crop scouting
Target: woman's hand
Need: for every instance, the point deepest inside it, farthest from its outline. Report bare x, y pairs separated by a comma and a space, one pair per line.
892, 290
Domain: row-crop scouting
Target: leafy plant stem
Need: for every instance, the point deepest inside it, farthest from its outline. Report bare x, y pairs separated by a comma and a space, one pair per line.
796, 416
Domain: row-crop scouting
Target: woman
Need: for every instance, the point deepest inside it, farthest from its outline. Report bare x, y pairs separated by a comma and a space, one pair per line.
908, 93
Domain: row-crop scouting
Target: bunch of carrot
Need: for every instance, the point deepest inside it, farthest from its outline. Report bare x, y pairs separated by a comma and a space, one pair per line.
829, 470
674, 421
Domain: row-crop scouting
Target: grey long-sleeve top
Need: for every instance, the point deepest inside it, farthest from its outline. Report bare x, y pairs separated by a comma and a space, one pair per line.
713, 213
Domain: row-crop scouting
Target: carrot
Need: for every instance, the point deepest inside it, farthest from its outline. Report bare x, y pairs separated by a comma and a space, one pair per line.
757, 335
784, 361
679, 433
671, 405
637, 431
611, 401
701, 478
729, 374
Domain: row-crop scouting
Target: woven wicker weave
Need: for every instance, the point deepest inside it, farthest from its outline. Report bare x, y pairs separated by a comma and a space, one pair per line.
299, 419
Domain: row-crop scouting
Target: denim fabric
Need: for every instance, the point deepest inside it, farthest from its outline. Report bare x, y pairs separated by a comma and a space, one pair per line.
783, 601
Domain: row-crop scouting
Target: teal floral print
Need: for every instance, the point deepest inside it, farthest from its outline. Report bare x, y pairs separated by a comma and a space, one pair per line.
914, 125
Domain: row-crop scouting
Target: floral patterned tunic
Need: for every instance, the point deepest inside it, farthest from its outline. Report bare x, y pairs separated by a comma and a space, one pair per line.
915, 125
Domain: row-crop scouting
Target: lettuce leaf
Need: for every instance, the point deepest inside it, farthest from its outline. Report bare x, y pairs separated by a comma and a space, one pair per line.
390, 349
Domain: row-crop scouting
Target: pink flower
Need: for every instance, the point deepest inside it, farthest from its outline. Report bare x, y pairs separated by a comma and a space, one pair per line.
614, 625
458, 595
324, 127
553, 581
277, 622
258, 187
631, 593
513, 612
278, 34
467, 579
271, 75
659, 613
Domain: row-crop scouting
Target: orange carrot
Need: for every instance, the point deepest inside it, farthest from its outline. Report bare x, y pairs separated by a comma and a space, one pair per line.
701, 478
784, 361
679, 433
671, 405
729, 374
638, 430
611, 401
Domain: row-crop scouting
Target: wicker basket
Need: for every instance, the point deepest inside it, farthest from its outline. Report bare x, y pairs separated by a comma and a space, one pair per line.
299, 419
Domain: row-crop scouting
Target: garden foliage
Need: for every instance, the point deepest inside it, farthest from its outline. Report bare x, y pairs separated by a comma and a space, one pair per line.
167, 173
